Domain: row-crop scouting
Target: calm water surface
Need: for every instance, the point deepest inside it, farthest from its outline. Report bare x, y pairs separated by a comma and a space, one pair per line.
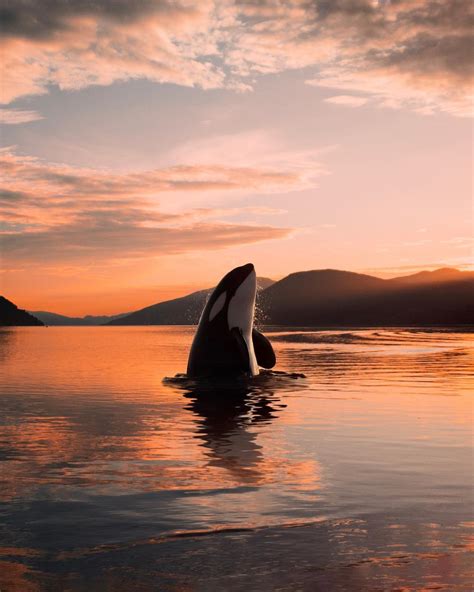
114, 476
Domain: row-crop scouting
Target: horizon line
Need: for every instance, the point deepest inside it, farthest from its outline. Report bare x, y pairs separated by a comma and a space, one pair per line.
460, 268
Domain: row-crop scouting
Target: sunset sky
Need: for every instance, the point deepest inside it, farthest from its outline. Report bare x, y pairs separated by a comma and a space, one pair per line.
150, 146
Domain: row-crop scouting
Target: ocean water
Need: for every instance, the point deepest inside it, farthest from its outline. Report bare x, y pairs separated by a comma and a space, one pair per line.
117, 475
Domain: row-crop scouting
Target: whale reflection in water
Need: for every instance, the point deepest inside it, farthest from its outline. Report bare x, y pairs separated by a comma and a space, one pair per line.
228, 413
224, 424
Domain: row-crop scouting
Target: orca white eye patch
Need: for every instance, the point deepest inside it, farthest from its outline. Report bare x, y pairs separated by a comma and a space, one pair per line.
217, 306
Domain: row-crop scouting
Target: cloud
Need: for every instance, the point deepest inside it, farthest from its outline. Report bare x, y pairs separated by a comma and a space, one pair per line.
95, 238
55, 213
46, 18
417, 243
347, 100
460, 242
199, 213
47, 192
404, 53
401, 53
78, 44
17, 116
256, 148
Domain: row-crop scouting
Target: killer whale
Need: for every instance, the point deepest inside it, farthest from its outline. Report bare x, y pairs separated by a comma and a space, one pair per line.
226, 343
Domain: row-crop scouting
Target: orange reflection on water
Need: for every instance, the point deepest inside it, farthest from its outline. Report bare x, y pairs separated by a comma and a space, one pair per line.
380, 423
94, 397
16, 577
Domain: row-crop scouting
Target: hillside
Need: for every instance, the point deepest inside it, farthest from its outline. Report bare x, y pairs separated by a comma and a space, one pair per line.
331, 297
445, 274
304, 295
11, 315
179, 311
325, 298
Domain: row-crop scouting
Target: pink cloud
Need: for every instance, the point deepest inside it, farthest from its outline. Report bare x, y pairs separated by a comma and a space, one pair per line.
94, 239
17, 116
80, 44
46, 193
347, 100
403, 53
56, 213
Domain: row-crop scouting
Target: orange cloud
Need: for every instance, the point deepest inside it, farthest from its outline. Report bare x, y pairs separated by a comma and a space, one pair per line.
22, 173
16, 116
400, 52
347, 100
79, 44
93, 237
56, 213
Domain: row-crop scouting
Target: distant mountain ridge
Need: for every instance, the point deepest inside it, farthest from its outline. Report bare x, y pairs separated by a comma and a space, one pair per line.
54, 319
331, 297
12, 316
326, 297
444, 274
179, 311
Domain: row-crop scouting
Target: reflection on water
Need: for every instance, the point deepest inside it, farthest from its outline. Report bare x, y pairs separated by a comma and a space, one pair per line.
350, 468
224, 420
227, 413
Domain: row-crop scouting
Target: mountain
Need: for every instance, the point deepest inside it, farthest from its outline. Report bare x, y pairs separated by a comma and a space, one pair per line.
263, 283
445, 274
53, 319
179, 311
297, 296
326, 297
336, 298
11, 315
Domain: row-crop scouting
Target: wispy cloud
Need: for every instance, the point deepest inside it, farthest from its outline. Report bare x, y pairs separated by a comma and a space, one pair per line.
22, 173
57, 213
347, 100
94, 237
400, 52
17, 116
460, 242
250, 149
418, 243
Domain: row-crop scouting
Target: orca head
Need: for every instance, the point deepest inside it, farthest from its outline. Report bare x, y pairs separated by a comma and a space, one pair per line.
224, 335
234, 296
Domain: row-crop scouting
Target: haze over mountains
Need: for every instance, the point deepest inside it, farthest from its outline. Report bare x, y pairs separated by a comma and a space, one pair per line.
323, 298
54, 319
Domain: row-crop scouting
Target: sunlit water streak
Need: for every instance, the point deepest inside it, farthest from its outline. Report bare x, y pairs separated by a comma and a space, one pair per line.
355, 455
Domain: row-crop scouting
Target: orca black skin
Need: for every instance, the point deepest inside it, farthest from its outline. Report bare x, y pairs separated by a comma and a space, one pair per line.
226, 343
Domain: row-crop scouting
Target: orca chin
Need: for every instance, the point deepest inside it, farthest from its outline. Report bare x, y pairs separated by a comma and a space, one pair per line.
226, 343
